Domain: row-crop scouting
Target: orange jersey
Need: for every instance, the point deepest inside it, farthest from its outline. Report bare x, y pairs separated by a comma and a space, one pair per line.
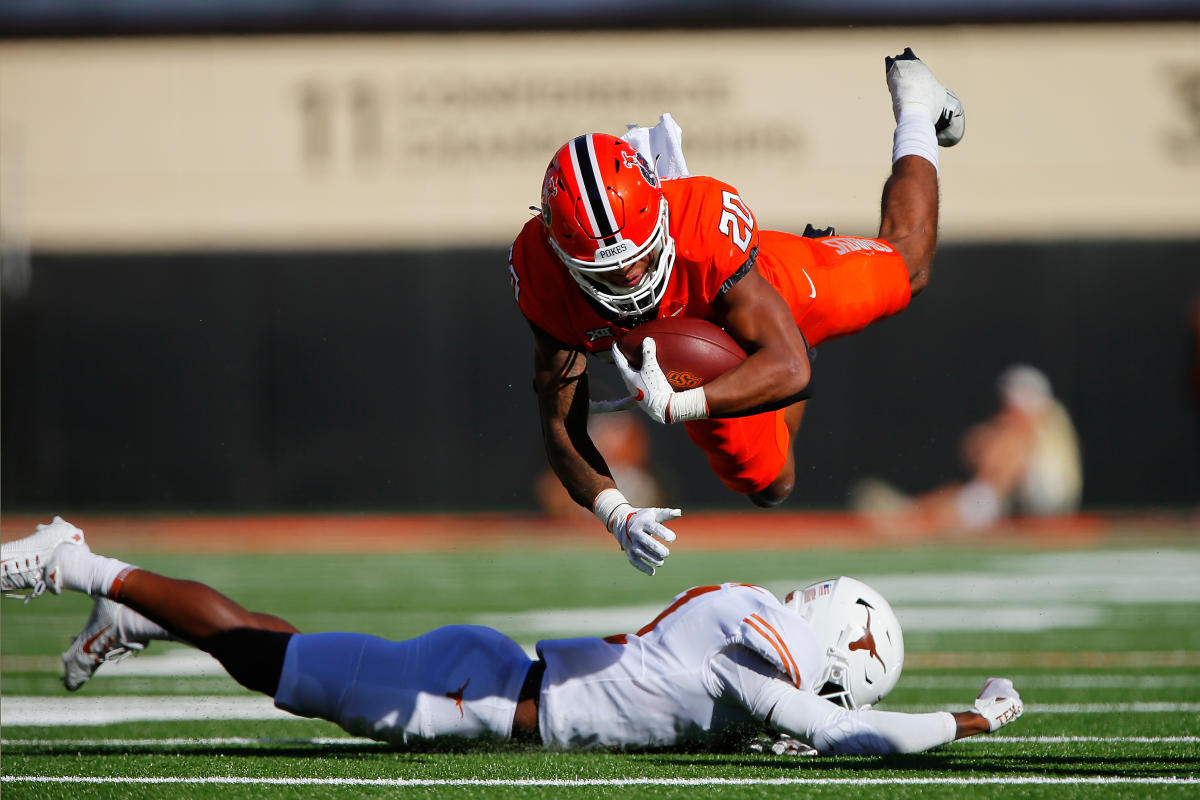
834, 286
715, 235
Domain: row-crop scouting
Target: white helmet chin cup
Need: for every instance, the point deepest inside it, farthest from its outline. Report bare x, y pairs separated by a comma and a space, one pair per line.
626, 301
860, 636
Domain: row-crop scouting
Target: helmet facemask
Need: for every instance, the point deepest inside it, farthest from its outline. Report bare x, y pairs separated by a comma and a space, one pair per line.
861, 637
604, 211
832, 683
643, 296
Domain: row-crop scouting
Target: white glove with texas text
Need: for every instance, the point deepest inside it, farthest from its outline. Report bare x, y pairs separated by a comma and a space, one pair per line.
998, 703
653, 392
637, 530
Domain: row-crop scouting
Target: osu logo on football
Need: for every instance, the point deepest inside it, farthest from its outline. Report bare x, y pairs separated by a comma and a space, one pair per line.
683, 380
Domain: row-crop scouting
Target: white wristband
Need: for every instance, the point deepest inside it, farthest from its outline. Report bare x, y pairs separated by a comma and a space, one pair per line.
687, 405
607, 506
914, 136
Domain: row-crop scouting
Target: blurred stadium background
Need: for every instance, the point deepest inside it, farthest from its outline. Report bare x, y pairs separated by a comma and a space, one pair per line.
254, 252
254, 297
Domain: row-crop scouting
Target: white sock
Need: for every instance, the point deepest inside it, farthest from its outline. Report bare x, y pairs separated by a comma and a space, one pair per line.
85, 571
915, 136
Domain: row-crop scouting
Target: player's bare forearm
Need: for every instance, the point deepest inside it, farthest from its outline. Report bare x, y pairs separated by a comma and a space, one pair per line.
560, 380
776, 371
572, 455
969, 723
909, 216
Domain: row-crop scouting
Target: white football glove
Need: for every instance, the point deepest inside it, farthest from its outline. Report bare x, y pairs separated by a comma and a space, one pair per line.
650, 388
998, 703
637, 530
782, 745
913, 86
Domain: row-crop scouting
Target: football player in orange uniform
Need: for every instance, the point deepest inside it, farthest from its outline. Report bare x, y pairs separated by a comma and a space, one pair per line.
616, 245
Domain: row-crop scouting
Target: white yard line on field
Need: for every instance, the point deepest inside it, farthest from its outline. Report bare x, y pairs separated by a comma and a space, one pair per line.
181, 663
184, 741
1060, 681
1081, 740
349, 741
1073, 708
53, 711
1034, 780
104, 710
1054, 659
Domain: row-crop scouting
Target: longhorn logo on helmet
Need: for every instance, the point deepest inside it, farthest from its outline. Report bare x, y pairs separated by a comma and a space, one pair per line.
867, 642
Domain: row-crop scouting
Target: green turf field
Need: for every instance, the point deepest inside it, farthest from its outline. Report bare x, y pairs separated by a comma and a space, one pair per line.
1104, 645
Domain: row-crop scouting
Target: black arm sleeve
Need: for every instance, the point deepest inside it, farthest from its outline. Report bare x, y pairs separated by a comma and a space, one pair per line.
742, 272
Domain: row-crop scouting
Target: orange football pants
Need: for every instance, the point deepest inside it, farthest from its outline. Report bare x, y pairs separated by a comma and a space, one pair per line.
834, 286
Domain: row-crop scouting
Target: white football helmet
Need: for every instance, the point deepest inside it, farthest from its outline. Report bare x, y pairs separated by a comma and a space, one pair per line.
861, 637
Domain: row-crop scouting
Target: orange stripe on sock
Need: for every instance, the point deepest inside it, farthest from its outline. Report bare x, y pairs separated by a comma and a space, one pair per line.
115, 590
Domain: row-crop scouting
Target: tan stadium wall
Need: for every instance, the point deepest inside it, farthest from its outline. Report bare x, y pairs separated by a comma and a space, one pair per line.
399, 141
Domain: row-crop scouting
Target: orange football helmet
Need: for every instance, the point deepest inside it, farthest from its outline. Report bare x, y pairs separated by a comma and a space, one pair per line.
604, 209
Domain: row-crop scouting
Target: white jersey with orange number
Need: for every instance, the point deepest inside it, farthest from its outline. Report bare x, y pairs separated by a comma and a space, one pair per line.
718, 662
671, 682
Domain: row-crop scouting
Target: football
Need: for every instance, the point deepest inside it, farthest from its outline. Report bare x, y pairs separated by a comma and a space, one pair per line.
691, 351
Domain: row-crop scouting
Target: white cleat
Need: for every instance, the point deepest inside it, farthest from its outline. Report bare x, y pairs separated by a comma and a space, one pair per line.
911, 83
30, 565
103, 640
952, 123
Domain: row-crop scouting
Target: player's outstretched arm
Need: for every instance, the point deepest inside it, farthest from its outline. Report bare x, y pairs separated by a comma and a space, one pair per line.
831, 729
560, 379
927, 115
997, 705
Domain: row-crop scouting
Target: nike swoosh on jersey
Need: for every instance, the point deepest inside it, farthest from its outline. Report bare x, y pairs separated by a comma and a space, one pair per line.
811, 285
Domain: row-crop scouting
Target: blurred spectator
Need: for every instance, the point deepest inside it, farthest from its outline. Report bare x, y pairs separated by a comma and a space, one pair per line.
625, 444
1024, 460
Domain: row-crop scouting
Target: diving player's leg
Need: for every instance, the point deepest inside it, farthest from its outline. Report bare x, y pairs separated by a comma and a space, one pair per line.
56, 557
781, 487
249, 645
751, 455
